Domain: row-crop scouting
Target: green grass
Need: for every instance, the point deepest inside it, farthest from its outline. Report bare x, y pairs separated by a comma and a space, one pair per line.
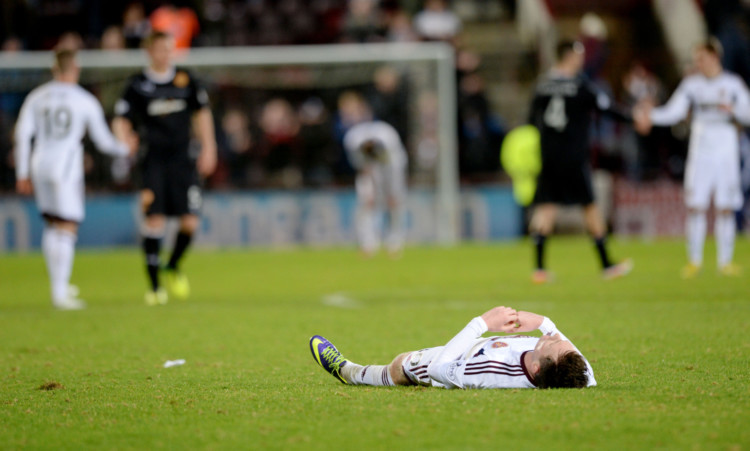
671, 356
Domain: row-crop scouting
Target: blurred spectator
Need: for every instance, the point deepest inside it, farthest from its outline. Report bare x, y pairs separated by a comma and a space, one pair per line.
318, 145
181, 23
725, 20
364, 22
70, 41
400, 28
279, 143
112, 39
109, 93
389, 99
235, 149
436, 22
12, 44
594, 39
135, 25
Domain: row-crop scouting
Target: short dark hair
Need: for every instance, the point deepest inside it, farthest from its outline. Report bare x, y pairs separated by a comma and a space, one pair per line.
64, 60
711, 45
154, 36
568, 372
567, 46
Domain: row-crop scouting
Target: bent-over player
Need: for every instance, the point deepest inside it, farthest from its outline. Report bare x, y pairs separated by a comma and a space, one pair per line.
716, 100
561, 109
57, 115
162, 104
470, 361
376, 152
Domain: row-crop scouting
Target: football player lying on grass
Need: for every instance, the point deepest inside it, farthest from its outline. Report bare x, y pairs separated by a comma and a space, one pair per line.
470, 361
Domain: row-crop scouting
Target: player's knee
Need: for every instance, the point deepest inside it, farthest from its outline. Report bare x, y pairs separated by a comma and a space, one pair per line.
397, 372
68, 226
189, 223
154, 225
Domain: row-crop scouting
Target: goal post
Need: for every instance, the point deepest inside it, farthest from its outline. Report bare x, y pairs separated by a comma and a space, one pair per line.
337, 65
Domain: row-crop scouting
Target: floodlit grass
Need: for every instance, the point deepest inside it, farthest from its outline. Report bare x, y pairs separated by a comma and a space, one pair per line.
671, 356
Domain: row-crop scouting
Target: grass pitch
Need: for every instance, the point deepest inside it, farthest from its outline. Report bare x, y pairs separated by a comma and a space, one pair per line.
671, 356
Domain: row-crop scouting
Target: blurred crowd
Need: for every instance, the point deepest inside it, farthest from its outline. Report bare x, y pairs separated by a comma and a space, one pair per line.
288, 139
269, 138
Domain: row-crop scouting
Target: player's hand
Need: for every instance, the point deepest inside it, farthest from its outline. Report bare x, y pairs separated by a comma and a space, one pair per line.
206, 163
501, 319
133, 144
528, 321
24, 186
641, 120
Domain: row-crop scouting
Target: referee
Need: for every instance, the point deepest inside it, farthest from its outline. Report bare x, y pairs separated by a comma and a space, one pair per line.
563, 103
162, 105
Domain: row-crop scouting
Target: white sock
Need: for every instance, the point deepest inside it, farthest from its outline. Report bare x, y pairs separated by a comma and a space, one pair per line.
724, 229
695, 227
376, 375
58, 247
367, 229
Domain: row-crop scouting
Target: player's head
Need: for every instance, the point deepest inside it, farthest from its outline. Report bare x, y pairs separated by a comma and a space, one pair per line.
556, 364
707, 56
372, 149
66, 65
159, 46
571, 54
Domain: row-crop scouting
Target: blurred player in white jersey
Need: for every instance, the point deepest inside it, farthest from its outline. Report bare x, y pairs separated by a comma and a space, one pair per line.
56, 115
375, 150
470, 361
717, 100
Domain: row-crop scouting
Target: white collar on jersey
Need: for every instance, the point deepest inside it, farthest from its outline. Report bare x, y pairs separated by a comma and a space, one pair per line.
159, 78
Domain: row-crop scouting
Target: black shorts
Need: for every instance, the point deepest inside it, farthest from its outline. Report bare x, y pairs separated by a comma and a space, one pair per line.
170, 188
564, 186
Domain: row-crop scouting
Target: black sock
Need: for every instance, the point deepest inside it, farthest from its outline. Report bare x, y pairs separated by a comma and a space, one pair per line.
539, 241
602, 250
151, 247
180, 246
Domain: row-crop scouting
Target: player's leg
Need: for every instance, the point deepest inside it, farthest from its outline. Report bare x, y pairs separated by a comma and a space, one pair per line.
348, 372
62, 207
541, 225
594, 223
184, 199
698, 187
395, 184
58, 246
366, 220
176, 281
152, 231
153, 203
728, 198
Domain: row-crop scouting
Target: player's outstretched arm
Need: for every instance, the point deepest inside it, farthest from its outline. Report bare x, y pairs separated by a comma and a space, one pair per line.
203, 123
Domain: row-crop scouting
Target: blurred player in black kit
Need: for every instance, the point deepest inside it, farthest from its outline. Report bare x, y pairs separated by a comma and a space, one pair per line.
563, 103
163, 104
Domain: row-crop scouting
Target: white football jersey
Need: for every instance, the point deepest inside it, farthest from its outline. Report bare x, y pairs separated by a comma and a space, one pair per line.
495, 362
712, 127
57, 115
391, 150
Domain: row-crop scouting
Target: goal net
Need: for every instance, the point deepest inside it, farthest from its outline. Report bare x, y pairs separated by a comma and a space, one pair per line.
277, 115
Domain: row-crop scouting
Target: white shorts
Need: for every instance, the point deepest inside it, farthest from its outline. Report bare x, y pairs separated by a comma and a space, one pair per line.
382, 183
415, 366
713, 171
63, 200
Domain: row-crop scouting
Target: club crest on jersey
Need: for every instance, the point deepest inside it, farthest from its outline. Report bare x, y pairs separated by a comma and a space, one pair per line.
181, 79
499, 344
